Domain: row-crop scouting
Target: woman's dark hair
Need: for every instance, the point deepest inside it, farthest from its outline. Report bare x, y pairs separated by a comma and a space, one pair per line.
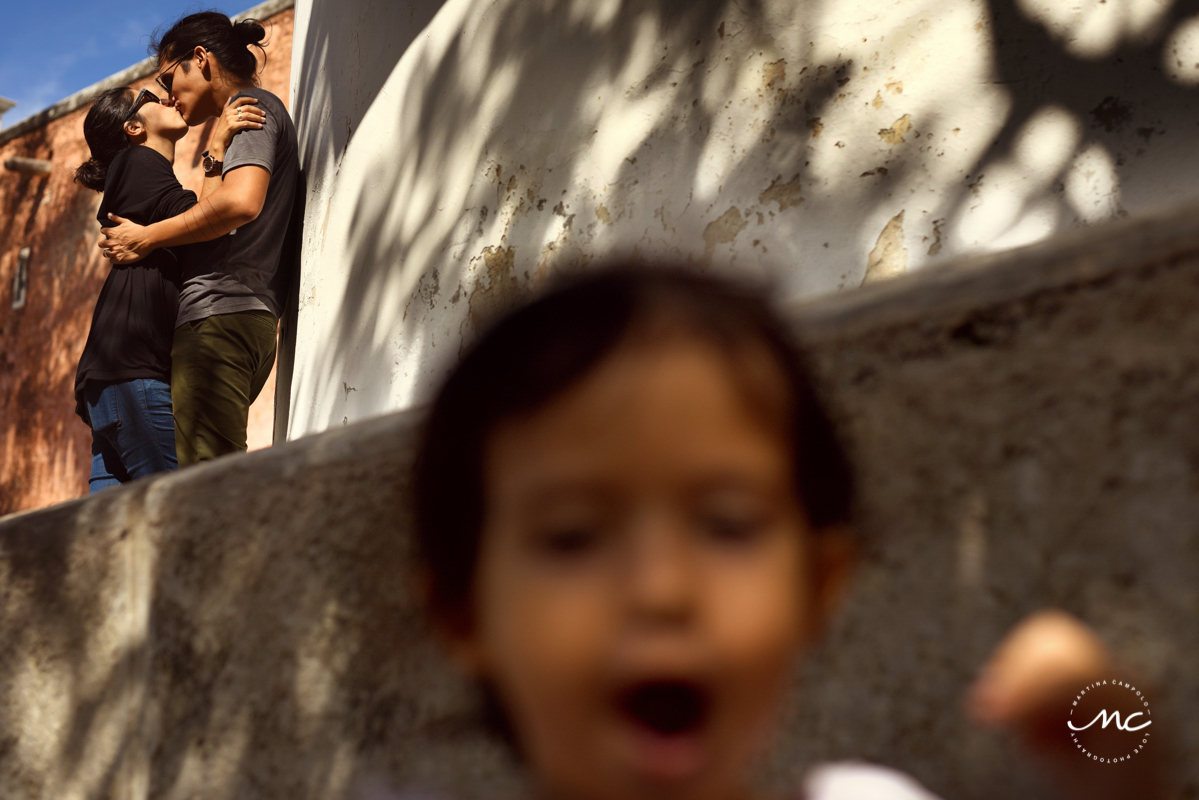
540, 351
229, 42
104, 130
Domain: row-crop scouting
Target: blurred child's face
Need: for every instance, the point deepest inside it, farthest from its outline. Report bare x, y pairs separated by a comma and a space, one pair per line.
644, 578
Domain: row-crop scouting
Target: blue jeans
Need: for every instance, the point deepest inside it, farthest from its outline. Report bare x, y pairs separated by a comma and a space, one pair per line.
133, 431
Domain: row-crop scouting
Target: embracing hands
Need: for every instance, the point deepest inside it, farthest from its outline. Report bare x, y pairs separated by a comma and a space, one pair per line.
125, 243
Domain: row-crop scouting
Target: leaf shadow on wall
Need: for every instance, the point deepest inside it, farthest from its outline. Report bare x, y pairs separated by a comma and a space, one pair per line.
482, 181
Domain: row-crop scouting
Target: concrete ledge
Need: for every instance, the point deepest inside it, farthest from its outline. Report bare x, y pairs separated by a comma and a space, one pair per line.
1024, 426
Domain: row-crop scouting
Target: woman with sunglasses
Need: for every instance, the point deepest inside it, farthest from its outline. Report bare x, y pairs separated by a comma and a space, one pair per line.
122, 384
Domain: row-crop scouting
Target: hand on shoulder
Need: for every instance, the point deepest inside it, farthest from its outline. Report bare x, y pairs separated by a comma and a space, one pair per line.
240, 114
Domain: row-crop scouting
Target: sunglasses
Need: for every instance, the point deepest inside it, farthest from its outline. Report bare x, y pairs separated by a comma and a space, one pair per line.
168, 75
143, 97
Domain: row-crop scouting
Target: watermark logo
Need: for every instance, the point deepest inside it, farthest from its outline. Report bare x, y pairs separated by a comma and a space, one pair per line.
1110, 721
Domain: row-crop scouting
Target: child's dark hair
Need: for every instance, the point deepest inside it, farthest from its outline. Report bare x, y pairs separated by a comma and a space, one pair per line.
538, 352
228, 41
104, 131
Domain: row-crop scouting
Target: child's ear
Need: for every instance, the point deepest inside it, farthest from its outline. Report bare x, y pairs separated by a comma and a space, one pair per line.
453, 629
834, 557
462, 646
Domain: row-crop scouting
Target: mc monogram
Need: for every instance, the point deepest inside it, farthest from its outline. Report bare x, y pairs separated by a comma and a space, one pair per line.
1126, 725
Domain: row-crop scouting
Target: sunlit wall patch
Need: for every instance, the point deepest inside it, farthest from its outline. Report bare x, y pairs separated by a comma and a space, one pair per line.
1093, 29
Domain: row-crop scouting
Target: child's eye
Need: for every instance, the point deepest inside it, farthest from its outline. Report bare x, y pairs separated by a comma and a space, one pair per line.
732, 518
733, 528
568, 541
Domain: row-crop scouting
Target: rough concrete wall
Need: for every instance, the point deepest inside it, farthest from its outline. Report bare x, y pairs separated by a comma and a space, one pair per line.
45, 450
824, 142
1023, 430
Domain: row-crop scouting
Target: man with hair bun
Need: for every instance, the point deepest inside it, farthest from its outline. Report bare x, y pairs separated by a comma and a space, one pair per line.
224, 340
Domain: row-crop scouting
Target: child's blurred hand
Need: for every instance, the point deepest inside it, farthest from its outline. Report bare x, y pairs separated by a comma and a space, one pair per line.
1045, 654
1028, 686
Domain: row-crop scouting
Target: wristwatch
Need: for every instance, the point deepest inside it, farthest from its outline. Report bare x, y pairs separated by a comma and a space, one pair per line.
211, 166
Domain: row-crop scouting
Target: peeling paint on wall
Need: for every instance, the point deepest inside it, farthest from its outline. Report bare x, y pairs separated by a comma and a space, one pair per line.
935, 247
889, 256
785, 194
774, 72
895, 133
1112, 114
501, 290
723, 230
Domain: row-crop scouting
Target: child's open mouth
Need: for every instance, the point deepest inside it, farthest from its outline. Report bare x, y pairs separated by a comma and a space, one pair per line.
667, 708
668, 718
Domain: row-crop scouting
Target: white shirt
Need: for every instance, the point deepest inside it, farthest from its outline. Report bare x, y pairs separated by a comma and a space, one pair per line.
848, 780
843, 780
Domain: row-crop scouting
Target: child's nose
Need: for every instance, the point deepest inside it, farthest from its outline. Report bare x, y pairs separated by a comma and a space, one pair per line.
661, 573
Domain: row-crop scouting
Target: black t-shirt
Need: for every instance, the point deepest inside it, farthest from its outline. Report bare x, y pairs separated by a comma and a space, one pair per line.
134, 319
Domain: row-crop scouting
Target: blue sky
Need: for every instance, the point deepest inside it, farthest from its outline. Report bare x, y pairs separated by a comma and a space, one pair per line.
50, 49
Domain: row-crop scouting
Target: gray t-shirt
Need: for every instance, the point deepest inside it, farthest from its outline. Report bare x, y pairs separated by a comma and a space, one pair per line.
246, 272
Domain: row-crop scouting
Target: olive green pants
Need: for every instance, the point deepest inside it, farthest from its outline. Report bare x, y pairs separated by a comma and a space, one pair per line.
218, 366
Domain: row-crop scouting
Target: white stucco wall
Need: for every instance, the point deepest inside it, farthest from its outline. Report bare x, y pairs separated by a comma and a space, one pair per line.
459, 153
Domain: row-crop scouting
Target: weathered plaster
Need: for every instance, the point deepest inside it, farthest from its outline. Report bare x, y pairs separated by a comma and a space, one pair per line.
770, 137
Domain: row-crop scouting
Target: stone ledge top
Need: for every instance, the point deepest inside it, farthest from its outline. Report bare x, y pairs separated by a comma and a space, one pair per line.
967, 282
